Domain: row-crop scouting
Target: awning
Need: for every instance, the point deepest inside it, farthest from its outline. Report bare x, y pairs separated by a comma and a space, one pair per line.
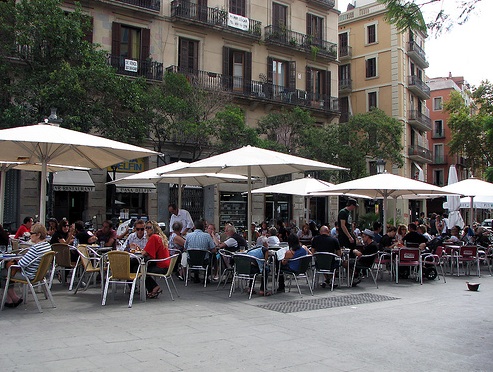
147, 188
74, 180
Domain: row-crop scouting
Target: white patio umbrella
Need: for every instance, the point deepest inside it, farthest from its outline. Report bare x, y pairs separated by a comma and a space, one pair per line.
37, 167
160, 175
453, 201
471, 187
50, 144
252, 161
386, 185
300, 187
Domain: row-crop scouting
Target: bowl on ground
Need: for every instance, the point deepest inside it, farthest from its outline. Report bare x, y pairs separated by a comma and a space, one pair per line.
472, 286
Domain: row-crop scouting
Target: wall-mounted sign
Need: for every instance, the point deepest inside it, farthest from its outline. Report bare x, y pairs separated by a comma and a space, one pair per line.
131, 65
237, 21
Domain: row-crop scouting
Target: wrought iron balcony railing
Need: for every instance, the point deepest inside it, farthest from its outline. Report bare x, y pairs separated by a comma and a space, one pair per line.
419, 120
258, 90
419, 153
417, 54
326, 4
147, 4
345, 85
345, 52
314, 46
418, 87
215, 17
149, 69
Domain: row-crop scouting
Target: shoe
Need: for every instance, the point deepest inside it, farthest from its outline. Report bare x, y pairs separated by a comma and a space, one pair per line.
180, 277
20, 301
323, 285
59, 277
356, 282
9, 304
154, 294
281, 289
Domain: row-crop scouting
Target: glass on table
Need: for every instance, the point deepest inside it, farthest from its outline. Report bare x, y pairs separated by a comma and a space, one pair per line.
3, 249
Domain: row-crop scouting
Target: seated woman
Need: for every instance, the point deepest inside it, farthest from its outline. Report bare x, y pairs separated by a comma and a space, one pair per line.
305, 235
64, 234
29, 262
295, 250
52, 226
156, 248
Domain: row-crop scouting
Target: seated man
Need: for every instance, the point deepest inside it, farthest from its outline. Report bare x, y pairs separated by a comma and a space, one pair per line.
24, 228
326, 243
81, 235
138, 239
414, 237
234, 241
107, 235
199, 239
369, 248
260, 253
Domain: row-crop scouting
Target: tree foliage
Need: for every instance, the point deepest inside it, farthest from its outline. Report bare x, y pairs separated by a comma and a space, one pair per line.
472, 133
407, 15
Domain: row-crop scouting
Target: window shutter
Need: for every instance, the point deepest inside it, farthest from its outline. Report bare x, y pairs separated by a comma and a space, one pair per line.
309, 24
308, 83
328, 84
227, 78
247, 78
115, 39
292, 75
146, 43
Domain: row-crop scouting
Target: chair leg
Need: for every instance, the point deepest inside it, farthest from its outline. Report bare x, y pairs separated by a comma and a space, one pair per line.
253, 286
169, 289
48, 293
35, 296
105, 292
186, 276
6, 289
308, 283
232, 285
79, 282
132, 291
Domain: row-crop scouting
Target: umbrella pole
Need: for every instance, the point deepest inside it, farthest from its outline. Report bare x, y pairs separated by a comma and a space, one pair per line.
471, 211
249, 205
42, 196
307, 210
2, 191
179, 193
384, 214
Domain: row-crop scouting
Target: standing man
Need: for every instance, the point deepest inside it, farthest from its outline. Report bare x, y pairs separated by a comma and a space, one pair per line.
344, 220
138, 239
182, 216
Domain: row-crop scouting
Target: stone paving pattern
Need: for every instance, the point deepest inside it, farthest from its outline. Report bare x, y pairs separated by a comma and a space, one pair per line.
436, 326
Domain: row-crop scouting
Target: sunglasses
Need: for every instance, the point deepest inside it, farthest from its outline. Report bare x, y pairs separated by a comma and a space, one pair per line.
33, 233
139, 229
148, 227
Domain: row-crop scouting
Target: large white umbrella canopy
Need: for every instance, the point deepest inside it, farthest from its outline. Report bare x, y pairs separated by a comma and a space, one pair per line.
300, 187
160, 175
386, 185
471, 187
252, 161
50, 144
453, 201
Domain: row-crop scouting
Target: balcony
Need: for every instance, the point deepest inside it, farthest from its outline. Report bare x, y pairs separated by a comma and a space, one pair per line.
417, 54
130, 67
419, 121
419, 154
154, 5
325, 4
194, 14
418, 87
259, 91
345, 52
345, 86
307, 44
438, 135
440, 159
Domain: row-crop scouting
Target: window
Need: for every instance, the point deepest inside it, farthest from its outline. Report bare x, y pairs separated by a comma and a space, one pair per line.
371, 67
318, 84
438, 129
237, 66
282, 75
130, 42
437, 104
315, 28
237, 7
188, 55
371, 34
344, 44
438, 177
372, 100
439, 157
345, 73
279, 15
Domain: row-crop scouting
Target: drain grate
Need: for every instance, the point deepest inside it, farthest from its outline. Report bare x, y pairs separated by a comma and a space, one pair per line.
326, 302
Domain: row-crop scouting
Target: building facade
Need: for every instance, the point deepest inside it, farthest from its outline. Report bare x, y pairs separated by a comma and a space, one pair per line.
381, 67
267, 55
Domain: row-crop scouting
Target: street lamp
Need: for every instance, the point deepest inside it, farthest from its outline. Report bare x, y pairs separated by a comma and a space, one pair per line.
53, 119
380, 163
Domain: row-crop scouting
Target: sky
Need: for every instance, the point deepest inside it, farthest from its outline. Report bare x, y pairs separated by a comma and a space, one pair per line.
466, 49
